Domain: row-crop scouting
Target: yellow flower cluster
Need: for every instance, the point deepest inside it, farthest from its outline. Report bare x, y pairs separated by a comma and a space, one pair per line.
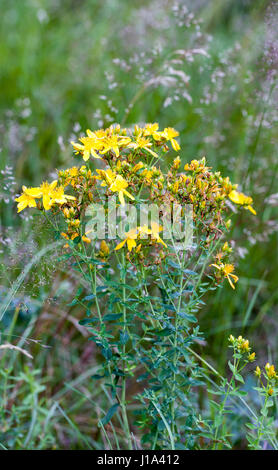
270, 371
49, 193
108, 143
271, 378
242, 346
137, 234
116, 184
132, 172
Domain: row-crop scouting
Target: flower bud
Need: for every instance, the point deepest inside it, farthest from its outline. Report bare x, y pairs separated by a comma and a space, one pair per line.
104, 248
251, 357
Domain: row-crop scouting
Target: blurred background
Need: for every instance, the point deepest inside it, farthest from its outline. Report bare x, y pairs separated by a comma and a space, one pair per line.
207, 68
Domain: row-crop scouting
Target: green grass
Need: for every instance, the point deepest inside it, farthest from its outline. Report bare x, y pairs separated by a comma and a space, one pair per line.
60, 65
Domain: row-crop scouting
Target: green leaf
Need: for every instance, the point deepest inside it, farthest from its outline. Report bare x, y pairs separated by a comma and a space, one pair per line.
124, 337
188, 316
87, 321
112, 316
89, 297
164, 332
109, 414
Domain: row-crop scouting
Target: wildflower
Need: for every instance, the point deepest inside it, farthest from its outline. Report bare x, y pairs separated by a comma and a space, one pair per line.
147, 174
107, 176
155, 233
47, 192
131, 236
227, 270
70, 175
74, 223
231, 339
119, 185
139, 233
152, 130
138, 248
71, 237
137, 167
66, 213
104, 249
243, 200
86, 239
28, 198
89, 145
270, 391
270, 371
116, 183
175, 187
73, 172
143, 144
176, 163
114, 143
170, 133
252, 357
244, 346
59, 197
226, 248
258, 371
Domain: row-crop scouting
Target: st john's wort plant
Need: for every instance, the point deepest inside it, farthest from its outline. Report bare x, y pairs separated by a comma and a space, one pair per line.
260, 426
143, 290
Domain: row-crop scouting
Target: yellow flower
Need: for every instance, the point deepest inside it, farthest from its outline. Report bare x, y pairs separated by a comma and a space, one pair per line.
155, 233
176, 163
147, 174
104, 248
90, 144
152, 130
258, 371
227, 270
270, 371
58, 196
28, 198
86, 239
107, 176
47, 191
139, 232
170, 133
114, 143
137, 167
119, 185
143, 144
243, 200
72, 237
244, 345
252, 357
116, 183
70, 175
73, 172
131, 236
198, 166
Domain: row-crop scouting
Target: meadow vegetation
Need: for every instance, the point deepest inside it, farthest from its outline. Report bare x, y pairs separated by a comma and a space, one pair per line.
208, 70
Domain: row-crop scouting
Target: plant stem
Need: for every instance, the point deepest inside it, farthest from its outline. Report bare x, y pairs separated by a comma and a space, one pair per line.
123, 397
